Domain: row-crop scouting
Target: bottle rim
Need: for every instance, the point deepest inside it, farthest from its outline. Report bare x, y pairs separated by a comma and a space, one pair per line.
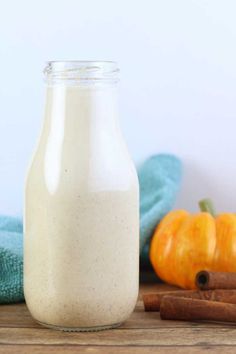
81, 71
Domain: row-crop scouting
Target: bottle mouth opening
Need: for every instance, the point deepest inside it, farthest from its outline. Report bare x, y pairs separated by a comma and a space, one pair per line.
81, 71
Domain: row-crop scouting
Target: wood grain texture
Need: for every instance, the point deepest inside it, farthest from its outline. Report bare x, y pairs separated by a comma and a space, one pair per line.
161, 336
70, 349
143, 332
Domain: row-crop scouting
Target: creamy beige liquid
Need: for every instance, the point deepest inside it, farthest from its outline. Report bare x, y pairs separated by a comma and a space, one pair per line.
81, 214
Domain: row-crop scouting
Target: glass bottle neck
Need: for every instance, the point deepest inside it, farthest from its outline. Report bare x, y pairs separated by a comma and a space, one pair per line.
82, 105
81, 97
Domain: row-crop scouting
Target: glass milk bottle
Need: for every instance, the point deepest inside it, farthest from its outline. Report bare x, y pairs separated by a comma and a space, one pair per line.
81, 226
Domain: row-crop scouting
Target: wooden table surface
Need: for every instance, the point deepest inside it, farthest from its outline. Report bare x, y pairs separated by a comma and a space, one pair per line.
143, 332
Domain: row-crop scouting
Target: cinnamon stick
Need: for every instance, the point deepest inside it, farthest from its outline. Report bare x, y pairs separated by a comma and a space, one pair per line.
152, 301
215, 280
187, 309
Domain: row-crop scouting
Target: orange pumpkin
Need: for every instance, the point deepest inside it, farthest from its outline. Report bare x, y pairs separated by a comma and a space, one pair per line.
183, 244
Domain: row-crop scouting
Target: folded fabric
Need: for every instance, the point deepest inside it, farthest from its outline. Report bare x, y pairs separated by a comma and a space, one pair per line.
11, 260
159, 179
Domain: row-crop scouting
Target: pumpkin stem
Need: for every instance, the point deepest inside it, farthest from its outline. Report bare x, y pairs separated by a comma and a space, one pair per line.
206, 205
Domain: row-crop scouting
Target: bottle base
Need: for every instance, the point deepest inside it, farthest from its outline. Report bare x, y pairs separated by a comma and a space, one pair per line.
80, 329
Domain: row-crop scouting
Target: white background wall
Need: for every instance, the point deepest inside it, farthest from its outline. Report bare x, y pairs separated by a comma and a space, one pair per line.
178, 88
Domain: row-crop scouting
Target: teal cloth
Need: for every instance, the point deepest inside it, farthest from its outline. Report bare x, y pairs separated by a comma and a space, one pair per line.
159, 179
11, 260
